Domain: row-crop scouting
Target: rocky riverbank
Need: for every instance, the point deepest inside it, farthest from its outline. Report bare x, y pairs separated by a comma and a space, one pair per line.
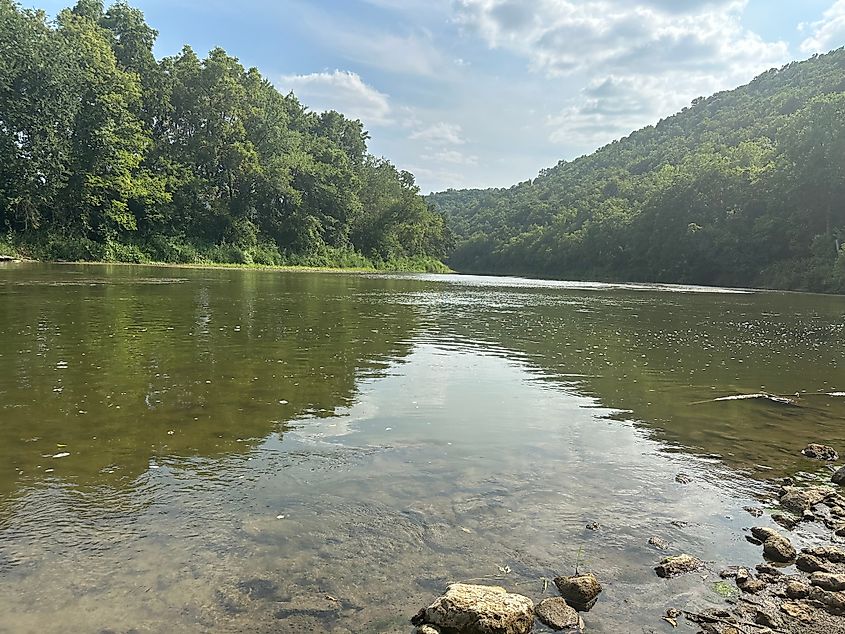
790, 591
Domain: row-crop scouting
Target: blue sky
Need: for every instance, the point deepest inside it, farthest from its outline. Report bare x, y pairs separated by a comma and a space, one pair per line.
481, 93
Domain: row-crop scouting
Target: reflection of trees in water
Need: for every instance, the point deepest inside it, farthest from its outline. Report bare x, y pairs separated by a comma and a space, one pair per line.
204, 367
654, 354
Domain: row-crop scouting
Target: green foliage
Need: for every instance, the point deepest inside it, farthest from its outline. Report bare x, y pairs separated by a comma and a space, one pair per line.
109, 154
725, 590
745, 188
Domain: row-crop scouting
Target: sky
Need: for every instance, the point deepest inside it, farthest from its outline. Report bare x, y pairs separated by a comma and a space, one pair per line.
486, 93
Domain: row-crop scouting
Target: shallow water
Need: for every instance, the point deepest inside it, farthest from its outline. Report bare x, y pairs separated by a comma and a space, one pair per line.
215, 450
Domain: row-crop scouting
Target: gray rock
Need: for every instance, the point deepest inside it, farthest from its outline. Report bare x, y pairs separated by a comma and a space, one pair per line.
797, 500
828, 581
839, 477
557, 614
786, 520
833, 602
800, 611
579, 591
763, 533
820, 452
827, 553
797, 590
779, 548
428, 629
766, 569
473, 609
809, 563
677, 565
768, 617
658, 543
747, 583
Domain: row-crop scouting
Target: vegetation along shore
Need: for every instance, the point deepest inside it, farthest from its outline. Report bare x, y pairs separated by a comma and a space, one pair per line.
109, 154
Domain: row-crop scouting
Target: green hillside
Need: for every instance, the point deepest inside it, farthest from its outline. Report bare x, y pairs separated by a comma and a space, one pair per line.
744, 188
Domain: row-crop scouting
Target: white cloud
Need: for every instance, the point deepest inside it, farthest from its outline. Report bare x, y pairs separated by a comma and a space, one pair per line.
340, 90
413, 54
451, 156
646, 59
442, 133
399, 49
828, 33
563, 36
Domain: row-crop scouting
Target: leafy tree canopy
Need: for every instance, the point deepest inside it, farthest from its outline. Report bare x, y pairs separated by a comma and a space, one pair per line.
108, 153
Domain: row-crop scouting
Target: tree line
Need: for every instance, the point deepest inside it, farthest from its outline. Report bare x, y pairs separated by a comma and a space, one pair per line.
744, 188
107, 153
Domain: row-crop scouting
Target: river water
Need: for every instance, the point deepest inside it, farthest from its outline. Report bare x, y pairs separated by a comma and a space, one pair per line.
253, 451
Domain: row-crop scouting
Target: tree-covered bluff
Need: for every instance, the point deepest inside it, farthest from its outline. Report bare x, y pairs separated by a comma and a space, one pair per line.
744, 188
107, 153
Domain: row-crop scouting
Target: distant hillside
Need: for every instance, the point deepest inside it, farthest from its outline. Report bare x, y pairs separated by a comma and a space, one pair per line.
744, 188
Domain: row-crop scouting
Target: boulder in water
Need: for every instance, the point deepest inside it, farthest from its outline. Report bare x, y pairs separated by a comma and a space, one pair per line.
580, 591
558, 615
677, 565
820, 452
474, 609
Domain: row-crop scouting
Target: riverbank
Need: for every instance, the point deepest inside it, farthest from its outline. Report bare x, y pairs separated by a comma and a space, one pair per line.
797, 588
338, 261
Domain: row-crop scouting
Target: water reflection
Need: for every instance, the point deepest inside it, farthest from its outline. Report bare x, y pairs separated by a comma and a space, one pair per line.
120, 374
658, 356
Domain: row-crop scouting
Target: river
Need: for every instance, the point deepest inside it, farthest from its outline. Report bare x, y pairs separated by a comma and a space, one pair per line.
247, 450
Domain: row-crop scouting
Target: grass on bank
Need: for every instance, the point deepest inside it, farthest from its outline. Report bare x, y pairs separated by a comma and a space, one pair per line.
173, 252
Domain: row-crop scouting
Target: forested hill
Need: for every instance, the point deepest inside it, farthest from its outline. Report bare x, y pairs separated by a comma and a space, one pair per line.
107, 153
745, 188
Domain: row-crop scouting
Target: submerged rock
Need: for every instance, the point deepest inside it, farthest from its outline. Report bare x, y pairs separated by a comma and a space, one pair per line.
677, 565
683, 478
820, 452
658, 543
559, 616
473, 609
580, 591
838, 477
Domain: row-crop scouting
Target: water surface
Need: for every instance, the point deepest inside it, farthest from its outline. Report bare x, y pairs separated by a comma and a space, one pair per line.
219, 450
